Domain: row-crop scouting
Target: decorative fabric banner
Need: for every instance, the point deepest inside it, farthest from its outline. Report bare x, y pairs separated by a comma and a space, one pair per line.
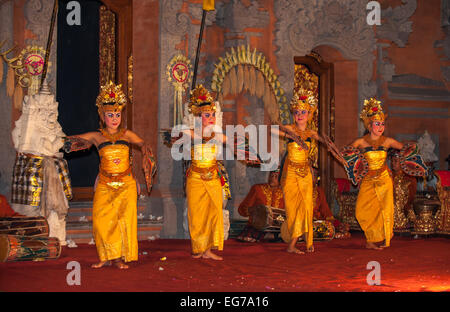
179, 72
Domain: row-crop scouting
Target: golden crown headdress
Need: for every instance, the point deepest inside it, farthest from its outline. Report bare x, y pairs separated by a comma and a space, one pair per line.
201, 100
372, 111
111, 97
304, 100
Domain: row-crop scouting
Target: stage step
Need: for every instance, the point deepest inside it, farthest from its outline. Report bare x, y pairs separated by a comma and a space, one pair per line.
82, 211
81, 232
236, 227
79, 222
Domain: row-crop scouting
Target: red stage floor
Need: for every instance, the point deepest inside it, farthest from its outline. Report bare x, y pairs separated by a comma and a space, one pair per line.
337, 266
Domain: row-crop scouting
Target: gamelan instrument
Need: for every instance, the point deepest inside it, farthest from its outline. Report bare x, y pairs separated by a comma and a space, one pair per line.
323, 230
25, 248
24, 226
266, 218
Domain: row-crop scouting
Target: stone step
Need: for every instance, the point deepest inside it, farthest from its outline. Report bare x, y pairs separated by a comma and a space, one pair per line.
82, 211
79, 222
85, 214
236, 227
81, 232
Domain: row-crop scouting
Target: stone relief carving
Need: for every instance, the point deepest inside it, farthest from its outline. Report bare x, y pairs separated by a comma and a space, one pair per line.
303, 25
172, 21
6, 22
236, 16
395, 25
339, 23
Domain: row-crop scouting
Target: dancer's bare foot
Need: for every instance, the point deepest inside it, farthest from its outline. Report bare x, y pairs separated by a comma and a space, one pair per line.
197, 256
291, 247
370, 245
295, 250
101, 264
210, 255
310, 249
384, 246
120, 264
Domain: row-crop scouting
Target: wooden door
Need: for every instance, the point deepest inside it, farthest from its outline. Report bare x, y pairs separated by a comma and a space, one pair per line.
324, 119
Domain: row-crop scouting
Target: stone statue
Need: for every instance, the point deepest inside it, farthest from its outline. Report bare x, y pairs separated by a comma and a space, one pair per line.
426, 147
41, 183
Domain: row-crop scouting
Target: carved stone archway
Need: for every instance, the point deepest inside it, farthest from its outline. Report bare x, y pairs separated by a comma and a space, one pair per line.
244, 69
301, 26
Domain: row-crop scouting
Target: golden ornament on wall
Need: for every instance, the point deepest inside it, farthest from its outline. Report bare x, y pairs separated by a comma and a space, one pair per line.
33, 58
24, 71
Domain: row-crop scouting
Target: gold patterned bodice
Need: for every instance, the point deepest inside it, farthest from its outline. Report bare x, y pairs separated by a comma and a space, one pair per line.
115, 164
114, 158
376, 159
204, 155
298, 159
296, 154
204, 163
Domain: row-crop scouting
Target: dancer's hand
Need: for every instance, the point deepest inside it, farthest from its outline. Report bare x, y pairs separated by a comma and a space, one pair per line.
334, 150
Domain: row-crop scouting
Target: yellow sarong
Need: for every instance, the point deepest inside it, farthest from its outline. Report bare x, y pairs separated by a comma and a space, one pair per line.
204, 198
375, 203
115, 206
297, 188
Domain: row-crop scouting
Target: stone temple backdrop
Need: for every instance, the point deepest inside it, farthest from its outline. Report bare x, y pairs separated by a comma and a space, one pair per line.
405, 62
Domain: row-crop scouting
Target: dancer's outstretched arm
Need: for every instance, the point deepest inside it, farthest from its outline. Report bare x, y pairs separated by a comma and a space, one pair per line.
324, 139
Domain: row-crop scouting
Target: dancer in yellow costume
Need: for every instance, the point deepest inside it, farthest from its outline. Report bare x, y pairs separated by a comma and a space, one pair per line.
115, 200
203, 184
206, 181
297, 181
367, 164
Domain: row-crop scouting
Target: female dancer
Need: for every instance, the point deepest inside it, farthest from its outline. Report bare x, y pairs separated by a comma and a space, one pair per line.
205, 177
203, 185
366, 159
297, 181
115, 200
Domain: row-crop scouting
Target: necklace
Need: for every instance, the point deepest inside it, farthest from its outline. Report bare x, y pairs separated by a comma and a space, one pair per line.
304, 134
114, 136
374, 143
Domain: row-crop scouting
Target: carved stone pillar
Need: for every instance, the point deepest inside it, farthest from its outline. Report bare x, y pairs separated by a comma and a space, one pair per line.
8, 152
